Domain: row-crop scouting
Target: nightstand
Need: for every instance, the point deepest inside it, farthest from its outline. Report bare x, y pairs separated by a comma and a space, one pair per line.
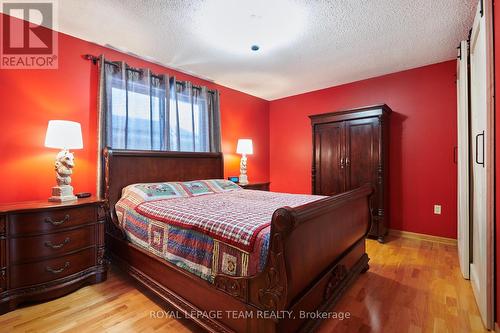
49, 249
262, 186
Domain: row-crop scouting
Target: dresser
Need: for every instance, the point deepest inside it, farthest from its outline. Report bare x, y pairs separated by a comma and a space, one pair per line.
261, 186
350, 149
49, 249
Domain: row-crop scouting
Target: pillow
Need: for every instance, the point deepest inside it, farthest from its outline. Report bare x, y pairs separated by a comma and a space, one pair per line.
155, 191
141, 192
197, 187
222, 185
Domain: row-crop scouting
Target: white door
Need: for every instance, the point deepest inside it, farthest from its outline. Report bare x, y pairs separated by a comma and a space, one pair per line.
481, 267
463, 157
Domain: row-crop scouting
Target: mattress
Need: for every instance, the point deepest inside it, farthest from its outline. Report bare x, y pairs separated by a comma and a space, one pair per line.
206, 227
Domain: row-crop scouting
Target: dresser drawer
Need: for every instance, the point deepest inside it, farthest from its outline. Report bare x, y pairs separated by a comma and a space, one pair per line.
49, 221
51, 269
24, 249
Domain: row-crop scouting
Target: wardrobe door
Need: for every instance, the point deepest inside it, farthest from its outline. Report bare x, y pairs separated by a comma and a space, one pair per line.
329, 163
362, 156
363, 148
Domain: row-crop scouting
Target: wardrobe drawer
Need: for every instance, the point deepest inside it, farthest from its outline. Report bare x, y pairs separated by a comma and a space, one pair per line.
24, 249
49, 221
51, 269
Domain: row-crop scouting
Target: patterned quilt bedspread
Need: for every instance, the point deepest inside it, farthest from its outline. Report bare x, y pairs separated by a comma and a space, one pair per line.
206, 227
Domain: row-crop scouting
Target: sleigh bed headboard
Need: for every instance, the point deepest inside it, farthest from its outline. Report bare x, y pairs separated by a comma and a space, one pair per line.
125, 167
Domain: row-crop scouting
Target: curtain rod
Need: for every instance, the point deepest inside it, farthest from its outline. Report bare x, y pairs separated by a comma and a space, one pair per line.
95, 59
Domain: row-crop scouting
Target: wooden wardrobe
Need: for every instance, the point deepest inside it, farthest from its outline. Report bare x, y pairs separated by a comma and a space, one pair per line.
350, 148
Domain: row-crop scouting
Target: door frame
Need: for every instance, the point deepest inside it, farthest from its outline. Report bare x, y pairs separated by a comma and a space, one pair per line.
463, 160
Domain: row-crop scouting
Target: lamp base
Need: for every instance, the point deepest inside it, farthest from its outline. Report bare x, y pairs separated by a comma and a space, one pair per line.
62, 193
243, 180
243, 170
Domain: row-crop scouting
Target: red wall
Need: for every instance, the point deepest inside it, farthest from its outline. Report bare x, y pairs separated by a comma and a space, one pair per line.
30, 98
423, 134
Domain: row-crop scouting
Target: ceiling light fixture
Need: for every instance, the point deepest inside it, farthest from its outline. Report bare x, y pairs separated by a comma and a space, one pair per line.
231, 26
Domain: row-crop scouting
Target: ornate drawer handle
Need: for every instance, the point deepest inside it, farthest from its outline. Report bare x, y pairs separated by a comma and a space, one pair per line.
58, 270
58, 246
49, 220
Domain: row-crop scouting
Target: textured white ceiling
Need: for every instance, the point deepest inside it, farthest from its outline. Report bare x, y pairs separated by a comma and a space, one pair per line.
305, 44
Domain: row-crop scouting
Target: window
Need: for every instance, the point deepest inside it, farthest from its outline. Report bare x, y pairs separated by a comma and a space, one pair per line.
140, 128
189, 129
152, 112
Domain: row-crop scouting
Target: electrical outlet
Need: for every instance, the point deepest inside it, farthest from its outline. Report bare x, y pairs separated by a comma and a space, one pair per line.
437, 209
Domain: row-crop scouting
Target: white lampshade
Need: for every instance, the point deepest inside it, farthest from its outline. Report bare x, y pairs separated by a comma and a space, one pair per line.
64, 134
245, 146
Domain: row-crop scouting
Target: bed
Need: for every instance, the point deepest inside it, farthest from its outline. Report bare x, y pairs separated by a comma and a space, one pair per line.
314, 251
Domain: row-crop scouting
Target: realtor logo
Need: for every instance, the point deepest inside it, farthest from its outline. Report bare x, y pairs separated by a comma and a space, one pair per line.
28, 37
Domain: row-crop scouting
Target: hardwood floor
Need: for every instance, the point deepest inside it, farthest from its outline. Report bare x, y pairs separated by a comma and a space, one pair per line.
412, 286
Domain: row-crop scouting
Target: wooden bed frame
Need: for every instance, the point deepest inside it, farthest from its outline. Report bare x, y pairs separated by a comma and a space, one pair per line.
315, 252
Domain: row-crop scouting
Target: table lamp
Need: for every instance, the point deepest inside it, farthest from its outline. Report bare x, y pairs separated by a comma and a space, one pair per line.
244, 147
64, 135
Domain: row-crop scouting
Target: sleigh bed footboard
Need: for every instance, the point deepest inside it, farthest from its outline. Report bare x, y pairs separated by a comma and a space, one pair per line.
316, 251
